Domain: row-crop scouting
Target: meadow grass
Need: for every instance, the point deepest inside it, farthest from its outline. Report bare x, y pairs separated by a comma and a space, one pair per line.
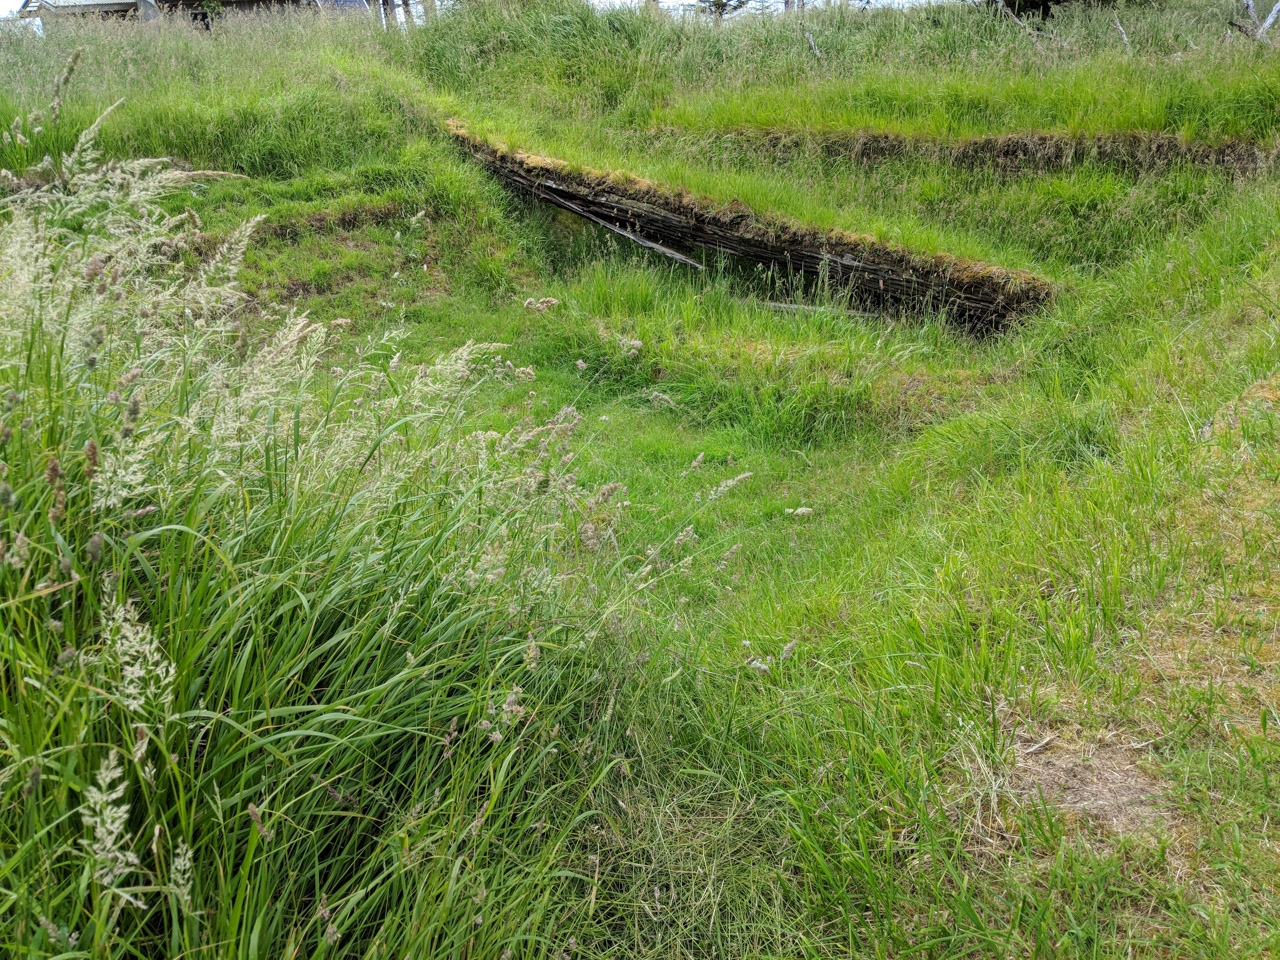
898, 640
1063, 224
935, 70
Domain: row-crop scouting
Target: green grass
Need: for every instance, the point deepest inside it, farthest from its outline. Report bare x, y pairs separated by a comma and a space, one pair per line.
1206, 101
936, 71
949, 549
277, 97
1058, 224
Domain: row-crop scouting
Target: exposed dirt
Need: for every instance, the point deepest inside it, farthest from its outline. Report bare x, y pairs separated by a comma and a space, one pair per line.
1103, 783
296, 288
1016, 153
331, 221
977, 295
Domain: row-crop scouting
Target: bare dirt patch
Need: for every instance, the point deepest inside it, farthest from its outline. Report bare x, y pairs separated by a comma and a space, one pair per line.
1104, 784
333, 221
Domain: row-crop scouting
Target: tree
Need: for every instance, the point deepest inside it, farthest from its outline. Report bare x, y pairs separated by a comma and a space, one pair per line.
719, 8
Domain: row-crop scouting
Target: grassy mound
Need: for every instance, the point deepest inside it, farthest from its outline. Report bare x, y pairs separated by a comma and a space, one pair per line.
975, 294
937, 71
395, 567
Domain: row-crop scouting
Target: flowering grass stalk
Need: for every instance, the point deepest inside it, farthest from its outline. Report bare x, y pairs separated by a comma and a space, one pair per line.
262, 587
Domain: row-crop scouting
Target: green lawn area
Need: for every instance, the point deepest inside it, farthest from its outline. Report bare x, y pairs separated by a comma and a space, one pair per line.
695, 625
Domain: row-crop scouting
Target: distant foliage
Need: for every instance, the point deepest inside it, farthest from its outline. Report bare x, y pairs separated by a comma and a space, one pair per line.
721, 8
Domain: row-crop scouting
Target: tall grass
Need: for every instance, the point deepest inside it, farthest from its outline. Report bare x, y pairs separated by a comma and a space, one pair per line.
290, 652
938, 69
379, 661
269, 94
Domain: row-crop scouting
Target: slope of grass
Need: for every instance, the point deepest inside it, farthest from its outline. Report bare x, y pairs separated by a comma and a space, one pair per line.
905, 642
1194, 97
933, 70
272, 95
1060, 224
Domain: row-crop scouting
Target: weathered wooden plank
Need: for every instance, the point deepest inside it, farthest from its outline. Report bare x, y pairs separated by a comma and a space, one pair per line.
875, 274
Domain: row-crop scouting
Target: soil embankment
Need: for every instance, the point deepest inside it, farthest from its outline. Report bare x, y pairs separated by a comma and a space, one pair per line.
977, 295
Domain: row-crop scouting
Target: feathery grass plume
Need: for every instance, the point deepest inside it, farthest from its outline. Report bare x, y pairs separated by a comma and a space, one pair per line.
107, 816
181, 875
724, 486
20, 553
58, 935
217, 449
139, 674
126, 472
694, 465
256, 816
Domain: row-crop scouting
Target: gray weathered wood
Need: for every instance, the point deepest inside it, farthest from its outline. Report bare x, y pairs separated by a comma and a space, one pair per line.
976, 295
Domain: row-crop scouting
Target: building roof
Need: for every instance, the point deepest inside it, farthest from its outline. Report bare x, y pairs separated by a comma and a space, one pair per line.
34, 8
37, 8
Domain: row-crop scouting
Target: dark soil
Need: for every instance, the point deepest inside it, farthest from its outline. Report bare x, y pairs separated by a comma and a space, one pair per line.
333, 221
1017, 153
976, 295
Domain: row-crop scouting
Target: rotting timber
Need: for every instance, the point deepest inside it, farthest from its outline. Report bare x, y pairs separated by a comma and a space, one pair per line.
1014, 153
976, 295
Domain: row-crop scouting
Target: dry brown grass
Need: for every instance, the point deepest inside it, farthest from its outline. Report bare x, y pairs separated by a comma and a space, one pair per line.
1099, 778
1211, 631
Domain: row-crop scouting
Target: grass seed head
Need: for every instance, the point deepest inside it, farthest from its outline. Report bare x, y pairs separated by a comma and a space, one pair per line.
258, 825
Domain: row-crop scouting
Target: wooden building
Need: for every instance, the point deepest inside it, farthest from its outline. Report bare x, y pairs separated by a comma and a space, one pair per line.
150, 9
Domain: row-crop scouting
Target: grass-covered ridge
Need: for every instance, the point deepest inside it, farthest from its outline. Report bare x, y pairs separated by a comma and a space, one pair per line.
714, 619
978, 295
940, 71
